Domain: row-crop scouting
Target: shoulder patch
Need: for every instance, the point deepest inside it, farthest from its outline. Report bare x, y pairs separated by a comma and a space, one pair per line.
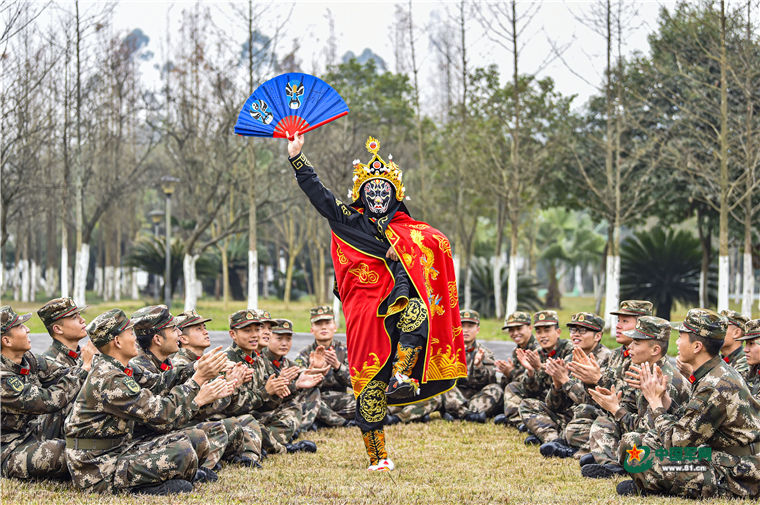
15, 384
131, 384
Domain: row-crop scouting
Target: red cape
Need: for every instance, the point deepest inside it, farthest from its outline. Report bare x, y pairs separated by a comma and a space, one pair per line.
364, 282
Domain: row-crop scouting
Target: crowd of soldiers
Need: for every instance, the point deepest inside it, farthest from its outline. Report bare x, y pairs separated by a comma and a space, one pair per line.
145, 407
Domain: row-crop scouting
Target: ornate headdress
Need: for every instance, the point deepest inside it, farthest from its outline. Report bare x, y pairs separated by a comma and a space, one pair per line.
376, 169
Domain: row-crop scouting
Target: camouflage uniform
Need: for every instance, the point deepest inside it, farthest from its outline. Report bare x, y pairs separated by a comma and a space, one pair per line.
537, 385
517, 319
55, 310
720, 414
634, 414
336, 403
736, 359
586, 412
25, 450
553, 418
254, 394
287, 417
752, 376
101, 450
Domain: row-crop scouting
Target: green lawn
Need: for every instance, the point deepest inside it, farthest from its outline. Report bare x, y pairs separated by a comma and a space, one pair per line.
298, 312
439, 462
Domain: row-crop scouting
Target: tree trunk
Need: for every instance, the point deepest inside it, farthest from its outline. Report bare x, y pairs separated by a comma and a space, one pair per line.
552, 294
512, 269
225, 275
82, 259
723, 270
612, 276
578, 271
191, 280
497, 263
81, 264
289, 278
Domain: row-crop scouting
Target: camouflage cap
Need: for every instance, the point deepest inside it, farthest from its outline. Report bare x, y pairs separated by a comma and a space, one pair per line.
469, 316
106, 326
704, 323
190, 318
650, 328
243, 318
753, 330
283, 327
634, 308
321, 313
516, 319
266, 317
153, 318
58, 308
736, 318
9, 318
545, 318
587, 320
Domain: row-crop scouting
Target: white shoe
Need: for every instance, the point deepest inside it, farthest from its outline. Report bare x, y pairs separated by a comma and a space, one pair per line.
384, 465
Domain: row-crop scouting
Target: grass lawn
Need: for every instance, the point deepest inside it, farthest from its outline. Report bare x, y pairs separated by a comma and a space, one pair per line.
439, 462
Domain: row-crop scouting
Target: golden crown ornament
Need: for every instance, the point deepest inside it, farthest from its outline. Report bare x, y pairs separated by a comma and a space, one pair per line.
377, 168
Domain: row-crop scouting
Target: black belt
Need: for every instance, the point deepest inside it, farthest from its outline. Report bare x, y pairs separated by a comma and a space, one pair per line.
92, 444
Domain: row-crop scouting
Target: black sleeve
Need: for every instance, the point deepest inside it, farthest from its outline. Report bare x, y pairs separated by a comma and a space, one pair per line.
321, 198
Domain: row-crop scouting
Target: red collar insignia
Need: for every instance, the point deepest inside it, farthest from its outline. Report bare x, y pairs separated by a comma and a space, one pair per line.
165, 367
257, 352
248, 359
626, 353
552, 353
24, 371
692, 379
276, 363
197, 358
727, 359
128, 371
73, 354
470, 349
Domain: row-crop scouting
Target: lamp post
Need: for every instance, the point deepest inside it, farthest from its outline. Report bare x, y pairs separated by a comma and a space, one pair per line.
155, 216
168, 184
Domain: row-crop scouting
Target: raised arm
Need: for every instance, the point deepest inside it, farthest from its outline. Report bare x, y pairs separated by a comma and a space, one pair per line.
321, 198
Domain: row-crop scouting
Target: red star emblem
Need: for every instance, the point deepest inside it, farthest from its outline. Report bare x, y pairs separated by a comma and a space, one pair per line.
634, 453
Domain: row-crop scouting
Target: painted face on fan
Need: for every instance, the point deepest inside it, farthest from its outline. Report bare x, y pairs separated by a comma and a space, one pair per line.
377, 195
260, 112
294, 90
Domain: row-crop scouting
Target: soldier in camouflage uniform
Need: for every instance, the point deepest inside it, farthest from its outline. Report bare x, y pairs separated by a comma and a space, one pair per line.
732, 352
752, 353
303, 401
64, 322
265, 333
511, 370
628, 408
535, 382
32, 386
265, 390
102, 451
337, 406
549, 419
720, 414
243, 431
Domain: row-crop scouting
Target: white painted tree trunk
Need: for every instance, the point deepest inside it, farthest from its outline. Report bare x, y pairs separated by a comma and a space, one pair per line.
336, 310
579, 280
737, 284
723, 279
50, 281
117, 283
467, 288
512, 285
497, 262
191, 290
457, 266
106, 280
612, 298
34, 280
64, 272
253, 279
81, 261
16, 282
24, 271
749, 286
134, 292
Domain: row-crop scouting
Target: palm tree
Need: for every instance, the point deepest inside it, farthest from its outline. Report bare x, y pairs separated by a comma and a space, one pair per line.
662, 267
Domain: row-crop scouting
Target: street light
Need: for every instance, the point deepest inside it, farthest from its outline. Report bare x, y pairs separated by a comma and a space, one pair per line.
168, 184
155, 216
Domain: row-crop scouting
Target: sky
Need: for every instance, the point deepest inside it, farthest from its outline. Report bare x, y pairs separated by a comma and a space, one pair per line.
360, 25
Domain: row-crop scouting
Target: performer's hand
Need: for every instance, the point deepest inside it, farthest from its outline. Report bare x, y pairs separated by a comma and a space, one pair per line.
295, 145
391, 254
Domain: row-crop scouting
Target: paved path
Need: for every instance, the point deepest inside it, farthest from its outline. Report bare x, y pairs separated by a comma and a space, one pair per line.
502, 349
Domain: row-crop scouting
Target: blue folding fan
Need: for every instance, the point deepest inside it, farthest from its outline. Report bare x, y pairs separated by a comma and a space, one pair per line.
292, 102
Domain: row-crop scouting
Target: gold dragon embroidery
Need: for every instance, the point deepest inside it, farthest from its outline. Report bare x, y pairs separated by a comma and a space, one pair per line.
427, 261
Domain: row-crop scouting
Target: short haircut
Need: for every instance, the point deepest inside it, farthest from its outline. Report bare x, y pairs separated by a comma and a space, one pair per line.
712, 346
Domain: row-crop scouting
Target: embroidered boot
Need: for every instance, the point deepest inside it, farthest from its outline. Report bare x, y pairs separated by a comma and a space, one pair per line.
401, 384
374, 441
